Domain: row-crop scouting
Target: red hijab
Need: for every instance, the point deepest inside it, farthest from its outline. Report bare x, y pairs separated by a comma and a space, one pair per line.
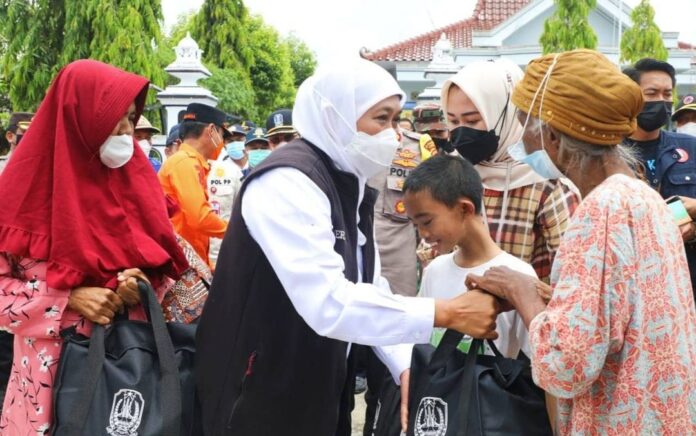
59, 203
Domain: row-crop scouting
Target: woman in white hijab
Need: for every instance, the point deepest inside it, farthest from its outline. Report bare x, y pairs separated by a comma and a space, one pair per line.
526, 213
298, 277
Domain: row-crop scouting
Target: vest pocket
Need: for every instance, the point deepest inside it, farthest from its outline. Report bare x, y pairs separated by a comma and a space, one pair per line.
245, 378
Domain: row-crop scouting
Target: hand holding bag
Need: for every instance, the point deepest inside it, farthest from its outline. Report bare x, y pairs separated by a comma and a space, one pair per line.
457, 394
133, 377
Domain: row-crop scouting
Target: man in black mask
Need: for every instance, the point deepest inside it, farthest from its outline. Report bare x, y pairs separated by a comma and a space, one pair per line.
668, 158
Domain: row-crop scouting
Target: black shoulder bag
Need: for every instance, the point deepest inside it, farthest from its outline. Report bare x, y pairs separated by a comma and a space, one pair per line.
457, 394
133, 377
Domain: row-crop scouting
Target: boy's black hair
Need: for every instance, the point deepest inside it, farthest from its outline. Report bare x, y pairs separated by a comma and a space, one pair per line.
448, 178
646, 65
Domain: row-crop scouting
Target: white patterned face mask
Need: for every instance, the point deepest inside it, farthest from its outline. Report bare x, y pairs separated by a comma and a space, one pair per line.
371, 154
116, 151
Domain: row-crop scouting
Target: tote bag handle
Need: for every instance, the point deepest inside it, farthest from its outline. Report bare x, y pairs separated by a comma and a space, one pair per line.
170, 389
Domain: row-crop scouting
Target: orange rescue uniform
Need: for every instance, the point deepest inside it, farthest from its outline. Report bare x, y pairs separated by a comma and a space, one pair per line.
184, 178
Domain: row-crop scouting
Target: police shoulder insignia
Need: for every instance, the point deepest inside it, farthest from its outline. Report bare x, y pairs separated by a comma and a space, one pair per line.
405, 163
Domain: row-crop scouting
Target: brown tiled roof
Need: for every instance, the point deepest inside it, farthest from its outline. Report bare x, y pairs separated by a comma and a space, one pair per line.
685, 45
487, 15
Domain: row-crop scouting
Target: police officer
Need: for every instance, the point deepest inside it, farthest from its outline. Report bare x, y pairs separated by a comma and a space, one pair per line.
279, 128
685, 116
224, 181
669, 158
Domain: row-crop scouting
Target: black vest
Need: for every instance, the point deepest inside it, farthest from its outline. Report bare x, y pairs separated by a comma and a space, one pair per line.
260, 369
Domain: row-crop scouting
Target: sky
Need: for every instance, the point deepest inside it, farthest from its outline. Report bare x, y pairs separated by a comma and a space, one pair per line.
340, 28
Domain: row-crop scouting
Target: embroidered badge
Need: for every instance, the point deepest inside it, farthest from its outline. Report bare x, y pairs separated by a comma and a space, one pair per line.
126, 413
683, 155
688, 99
407, 154
399, 207
405, 163
277, 120
431, 417
220, 172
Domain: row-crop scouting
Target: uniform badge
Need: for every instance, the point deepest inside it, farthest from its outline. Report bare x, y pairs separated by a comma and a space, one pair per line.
400, 184
278, 120
407, 154
220, 172
431, 417
683, 155
215, 206
213, 189
399, 207
405, 163
126, 413
688, 99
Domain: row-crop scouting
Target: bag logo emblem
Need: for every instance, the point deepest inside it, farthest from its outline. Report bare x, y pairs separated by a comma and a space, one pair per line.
126, 413
431, 417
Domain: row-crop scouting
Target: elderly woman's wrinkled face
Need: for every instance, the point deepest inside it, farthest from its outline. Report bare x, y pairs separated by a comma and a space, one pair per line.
384, 115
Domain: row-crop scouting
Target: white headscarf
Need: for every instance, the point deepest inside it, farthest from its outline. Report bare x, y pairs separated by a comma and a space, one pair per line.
329, 104
489, 85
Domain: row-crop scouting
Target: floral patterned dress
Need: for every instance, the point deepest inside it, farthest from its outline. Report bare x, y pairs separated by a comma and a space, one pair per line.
35, 314
617, 342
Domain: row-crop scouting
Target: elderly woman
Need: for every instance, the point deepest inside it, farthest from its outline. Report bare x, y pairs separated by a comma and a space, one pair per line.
617, 341
82, 215
526, 212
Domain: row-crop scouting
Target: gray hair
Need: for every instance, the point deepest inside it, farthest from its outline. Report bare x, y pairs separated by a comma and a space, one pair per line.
580, 154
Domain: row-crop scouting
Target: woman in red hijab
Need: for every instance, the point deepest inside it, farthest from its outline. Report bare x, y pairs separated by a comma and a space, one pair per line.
81, 215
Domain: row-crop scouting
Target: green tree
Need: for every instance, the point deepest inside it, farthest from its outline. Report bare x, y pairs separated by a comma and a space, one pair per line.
219, 30
568, 28
644, 38
123, 33
271, 73
33, 41
302, 60
234, 90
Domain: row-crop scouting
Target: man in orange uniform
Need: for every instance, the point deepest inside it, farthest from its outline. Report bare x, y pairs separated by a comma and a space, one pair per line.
184, 176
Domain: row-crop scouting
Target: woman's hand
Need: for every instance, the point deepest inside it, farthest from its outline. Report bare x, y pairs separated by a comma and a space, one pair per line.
98, 305
128, 286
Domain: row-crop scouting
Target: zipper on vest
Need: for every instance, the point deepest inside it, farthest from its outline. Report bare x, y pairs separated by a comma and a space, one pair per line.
249, 371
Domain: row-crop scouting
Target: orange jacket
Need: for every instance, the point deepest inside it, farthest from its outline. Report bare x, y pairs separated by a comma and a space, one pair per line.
184, 178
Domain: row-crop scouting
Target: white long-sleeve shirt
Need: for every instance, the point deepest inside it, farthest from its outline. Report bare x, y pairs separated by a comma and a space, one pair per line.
290, 218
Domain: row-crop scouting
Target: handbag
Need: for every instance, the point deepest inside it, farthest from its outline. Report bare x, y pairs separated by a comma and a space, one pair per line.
458, 394
132, 378
185, 300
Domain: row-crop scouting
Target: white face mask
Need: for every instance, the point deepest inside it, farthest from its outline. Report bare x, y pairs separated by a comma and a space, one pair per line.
145, 146
371, 154
688, 129
116, 151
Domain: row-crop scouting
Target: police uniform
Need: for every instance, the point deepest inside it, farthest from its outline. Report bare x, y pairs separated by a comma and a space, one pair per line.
674, 173
396, 236
224, 181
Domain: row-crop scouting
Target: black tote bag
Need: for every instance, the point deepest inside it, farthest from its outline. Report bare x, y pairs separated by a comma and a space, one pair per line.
457, 394
133, 377
388, 414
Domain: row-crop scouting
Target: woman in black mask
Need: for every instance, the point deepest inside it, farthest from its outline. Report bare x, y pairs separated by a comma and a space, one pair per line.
526, 213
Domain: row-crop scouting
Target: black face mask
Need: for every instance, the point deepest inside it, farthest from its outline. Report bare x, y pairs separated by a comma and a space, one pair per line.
655, 115
443, 145
475, 145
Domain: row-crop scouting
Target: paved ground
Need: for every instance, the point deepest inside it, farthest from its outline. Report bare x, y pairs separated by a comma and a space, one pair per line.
358, 415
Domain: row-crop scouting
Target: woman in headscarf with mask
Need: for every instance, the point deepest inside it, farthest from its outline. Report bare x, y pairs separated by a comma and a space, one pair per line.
298, 277
82, 216
526, 212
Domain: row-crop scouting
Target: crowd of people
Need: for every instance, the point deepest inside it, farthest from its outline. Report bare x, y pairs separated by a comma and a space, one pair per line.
549, 210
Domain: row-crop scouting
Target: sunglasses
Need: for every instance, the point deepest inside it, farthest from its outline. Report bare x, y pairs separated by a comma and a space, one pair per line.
277, 139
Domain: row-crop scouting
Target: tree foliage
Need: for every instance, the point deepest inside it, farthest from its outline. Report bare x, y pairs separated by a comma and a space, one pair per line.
644, 38
568, 28
219, 30
233, 89
302, 60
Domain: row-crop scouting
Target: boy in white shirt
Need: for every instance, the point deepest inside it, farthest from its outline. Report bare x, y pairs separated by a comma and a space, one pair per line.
443, 199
